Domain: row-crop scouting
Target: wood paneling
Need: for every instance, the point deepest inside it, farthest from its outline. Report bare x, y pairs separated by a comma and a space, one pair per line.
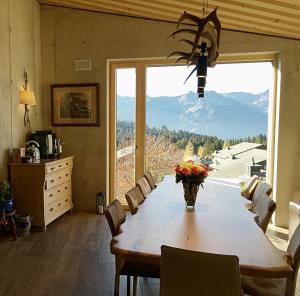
270, 17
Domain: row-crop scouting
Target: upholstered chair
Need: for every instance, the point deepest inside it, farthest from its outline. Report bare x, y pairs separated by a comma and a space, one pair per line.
190, 273
137, 194
261, 189
263, 209
116, 216
150, 179
277, 286
132, 203
250, 187
144, 186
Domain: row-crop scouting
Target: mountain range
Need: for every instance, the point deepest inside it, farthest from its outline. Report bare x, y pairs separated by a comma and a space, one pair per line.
225, 115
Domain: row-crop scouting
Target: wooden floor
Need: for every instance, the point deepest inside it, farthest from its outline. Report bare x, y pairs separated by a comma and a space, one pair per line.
71, 258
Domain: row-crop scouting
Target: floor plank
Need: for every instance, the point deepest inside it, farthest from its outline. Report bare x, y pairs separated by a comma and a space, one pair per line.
71, 258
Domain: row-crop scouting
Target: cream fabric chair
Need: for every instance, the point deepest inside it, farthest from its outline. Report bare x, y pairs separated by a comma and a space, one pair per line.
277, 286
250, 187
261, 189
144, 186
264, 209
189, 273
150, 179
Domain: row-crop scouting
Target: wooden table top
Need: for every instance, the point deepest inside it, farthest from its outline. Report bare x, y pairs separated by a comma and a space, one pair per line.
219, 224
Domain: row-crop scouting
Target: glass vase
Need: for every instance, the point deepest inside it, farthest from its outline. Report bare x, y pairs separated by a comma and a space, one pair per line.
190, 193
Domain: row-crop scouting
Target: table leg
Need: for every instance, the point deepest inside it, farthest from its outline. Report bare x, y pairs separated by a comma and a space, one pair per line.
128, 285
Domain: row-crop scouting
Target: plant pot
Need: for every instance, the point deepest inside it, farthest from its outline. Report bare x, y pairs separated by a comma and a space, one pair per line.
190, 193
9, 205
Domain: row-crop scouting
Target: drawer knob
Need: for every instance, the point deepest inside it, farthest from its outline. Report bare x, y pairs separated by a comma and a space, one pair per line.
50, 195
51, 209
59, 177
67, 163
52, 181
59, 204
66, 187
52, 168
58, 191
66, 175
66, 200
59, 166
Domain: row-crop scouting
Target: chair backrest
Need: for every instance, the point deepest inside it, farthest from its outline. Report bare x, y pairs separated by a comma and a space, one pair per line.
115, 216
150, 179
261, 189
250, 187
264, 209
137, 194
132, 203
184, 272
294, 251
144, 186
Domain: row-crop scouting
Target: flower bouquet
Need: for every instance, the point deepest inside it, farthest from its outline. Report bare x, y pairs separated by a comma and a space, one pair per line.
191, 175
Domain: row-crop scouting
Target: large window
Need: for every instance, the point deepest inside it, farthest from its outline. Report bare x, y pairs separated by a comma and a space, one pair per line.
230, 129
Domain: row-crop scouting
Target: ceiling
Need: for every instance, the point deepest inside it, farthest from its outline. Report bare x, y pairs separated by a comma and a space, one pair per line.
270, 17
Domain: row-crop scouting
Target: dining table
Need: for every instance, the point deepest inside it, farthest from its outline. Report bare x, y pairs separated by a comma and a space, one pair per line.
219, 223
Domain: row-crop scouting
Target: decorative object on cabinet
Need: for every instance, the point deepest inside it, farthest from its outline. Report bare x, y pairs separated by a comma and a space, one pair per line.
43, 190
27, 97
75, 104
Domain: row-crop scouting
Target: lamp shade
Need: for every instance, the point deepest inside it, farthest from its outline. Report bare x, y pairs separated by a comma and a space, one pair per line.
27, 97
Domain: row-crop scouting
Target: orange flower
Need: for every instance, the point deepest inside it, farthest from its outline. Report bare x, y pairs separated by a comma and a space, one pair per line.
186, 171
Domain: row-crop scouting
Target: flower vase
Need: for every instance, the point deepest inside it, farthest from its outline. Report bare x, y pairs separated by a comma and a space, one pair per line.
190, 193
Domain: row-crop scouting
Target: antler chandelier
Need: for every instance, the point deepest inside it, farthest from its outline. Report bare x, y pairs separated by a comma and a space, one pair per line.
205, 47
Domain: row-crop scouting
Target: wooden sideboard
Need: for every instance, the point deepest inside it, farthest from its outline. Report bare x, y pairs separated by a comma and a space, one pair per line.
43, 190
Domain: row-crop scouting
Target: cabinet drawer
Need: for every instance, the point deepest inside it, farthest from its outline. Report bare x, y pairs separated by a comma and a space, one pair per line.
57, 208
52, 168
57, 192
57, 178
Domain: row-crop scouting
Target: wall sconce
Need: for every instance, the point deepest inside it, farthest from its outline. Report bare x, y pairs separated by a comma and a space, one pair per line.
27, 97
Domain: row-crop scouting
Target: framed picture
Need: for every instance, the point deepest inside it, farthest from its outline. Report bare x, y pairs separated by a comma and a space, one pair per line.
75, 104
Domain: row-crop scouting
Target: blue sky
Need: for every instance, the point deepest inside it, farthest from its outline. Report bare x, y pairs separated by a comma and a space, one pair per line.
224, 78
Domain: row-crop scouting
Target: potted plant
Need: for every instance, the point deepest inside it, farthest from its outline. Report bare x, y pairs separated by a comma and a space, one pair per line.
6, 198
191, 175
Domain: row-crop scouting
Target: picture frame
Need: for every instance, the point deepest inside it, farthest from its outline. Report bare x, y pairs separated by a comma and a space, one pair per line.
75, 104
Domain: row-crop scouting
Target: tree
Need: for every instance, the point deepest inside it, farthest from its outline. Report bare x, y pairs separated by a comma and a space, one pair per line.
201, 152
188, 152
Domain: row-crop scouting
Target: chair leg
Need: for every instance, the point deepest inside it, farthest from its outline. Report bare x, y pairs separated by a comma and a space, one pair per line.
117, 284
134, 285
128, 285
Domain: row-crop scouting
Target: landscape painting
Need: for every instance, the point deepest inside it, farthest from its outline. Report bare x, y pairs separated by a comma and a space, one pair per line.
75, 104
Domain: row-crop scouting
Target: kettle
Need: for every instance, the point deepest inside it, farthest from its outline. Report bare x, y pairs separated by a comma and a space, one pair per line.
33, 149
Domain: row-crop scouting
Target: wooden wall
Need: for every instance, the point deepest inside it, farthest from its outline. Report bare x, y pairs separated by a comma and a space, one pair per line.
69, 34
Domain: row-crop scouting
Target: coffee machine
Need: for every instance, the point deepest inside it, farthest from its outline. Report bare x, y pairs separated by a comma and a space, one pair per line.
46, 140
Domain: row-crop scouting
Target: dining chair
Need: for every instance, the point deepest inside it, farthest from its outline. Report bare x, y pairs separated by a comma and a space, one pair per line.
185, 272
150, 179
261, 189
116, 216
144, 186
132, 203
277, 286
250, 187
137, 194
263, 209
